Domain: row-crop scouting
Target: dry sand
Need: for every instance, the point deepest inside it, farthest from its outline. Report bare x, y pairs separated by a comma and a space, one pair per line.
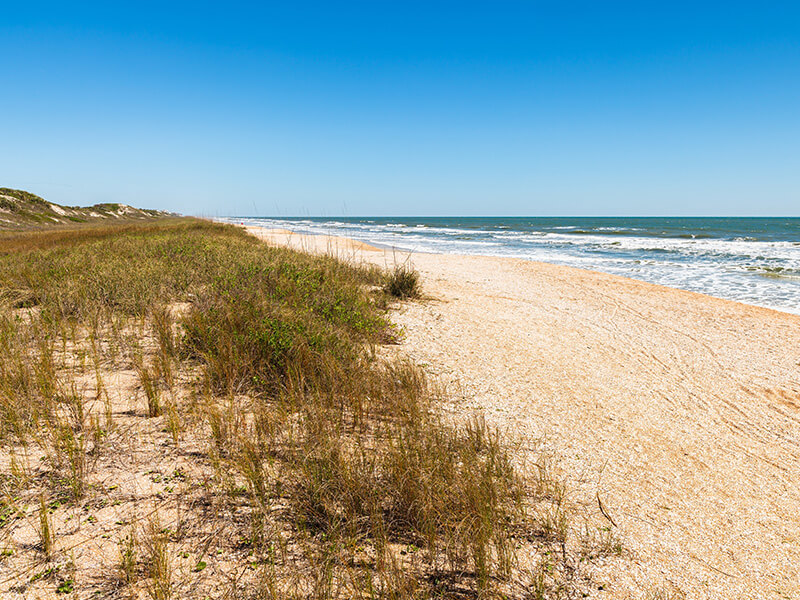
680, 410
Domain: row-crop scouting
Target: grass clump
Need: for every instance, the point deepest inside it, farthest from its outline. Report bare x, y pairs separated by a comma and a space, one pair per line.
158, 562
403, 282
45, 530
449, 492
128, 557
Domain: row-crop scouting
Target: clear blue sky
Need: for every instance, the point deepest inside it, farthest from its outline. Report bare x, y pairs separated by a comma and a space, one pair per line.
405, 108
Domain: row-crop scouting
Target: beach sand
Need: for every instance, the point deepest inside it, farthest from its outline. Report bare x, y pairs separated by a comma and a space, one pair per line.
679, 410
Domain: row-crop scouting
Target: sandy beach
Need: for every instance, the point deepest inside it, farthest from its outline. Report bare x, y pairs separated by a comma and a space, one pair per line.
680, 411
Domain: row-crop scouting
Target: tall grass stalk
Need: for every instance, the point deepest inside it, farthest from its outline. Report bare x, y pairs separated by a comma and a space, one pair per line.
45, 530
150, 385
158, 563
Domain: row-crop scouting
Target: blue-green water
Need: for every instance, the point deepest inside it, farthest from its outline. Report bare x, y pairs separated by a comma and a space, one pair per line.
751, 260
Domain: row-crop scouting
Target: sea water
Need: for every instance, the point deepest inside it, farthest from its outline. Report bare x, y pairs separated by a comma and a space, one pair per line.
751, 260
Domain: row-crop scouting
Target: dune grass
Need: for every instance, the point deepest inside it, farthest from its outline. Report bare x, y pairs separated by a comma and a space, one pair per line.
403, 282
299, 463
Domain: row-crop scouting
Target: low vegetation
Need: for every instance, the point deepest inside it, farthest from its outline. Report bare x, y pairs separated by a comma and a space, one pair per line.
187, 412
403, 282
22, 210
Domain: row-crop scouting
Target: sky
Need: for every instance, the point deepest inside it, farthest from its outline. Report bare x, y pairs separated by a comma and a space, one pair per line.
405, 108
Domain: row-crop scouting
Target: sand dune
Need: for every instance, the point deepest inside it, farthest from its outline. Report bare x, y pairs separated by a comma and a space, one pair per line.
681, 411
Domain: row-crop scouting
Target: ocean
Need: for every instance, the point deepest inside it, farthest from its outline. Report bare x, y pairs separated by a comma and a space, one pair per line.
750, 260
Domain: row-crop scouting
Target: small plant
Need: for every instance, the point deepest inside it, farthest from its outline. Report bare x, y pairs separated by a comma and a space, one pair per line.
46, 538
608, 543
157, 561
46, 574
149, 381
70, 451
403, 282
173, 422
128, 557
162, 326
18, 476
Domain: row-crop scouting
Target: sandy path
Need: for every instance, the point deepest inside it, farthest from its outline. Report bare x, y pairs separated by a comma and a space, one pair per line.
682, 410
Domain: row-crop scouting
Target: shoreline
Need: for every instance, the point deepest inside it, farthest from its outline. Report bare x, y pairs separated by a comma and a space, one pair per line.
317, 242
680, 410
